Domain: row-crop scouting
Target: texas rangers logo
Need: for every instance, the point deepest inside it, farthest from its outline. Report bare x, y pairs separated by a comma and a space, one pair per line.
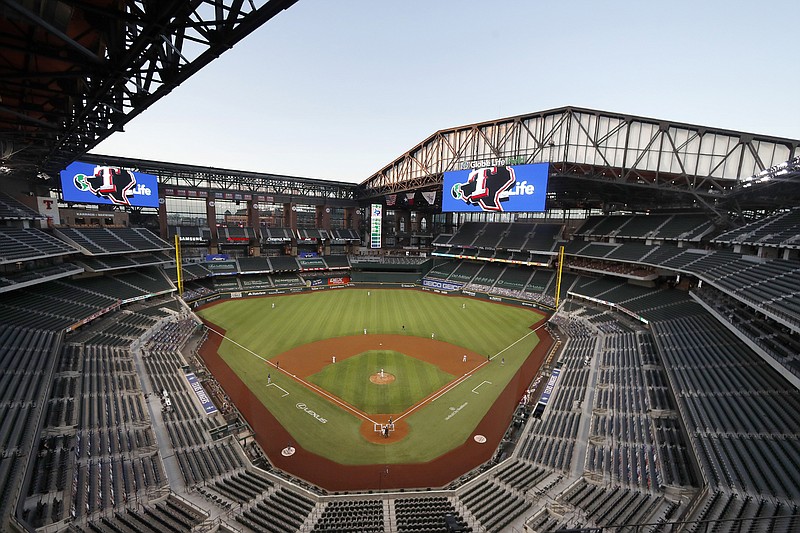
486, 187
112, 183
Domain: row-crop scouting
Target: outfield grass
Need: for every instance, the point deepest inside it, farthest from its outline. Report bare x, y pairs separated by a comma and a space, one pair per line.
481, 326
349, 380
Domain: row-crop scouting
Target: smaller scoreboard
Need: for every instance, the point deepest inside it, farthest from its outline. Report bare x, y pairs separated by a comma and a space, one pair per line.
375, 225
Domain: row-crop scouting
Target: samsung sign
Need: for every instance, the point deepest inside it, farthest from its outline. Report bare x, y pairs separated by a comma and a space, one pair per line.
512, 188
87, 183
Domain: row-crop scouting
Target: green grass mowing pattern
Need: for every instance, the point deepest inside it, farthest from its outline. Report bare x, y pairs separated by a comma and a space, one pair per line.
349, 380
482, 326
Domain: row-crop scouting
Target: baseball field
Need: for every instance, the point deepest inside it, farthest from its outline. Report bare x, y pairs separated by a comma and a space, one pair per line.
333, 367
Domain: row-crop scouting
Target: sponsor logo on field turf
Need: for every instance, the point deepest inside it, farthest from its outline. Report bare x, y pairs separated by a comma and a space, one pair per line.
455, 410
304, 407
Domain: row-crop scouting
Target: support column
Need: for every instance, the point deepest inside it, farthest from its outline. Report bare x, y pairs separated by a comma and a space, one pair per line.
253, 216
323, 217
352, 218
290, 216
211, 220
163, 230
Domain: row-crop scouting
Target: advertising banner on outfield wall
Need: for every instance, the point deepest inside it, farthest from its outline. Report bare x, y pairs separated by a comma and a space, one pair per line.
512, 189
447, 286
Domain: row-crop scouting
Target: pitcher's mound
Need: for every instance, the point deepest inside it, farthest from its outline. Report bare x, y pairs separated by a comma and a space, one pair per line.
385, 379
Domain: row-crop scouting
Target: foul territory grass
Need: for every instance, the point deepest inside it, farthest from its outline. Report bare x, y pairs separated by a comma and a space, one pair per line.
262, 332
413, 381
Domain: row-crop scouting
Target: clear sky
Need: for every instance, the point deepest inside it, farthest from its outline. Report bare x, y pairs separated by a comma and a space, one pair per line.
337, 89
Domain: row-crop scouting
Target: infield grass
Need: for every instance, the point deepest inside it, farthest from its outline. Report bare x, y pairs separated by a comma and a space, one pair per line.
262, 332
413, 381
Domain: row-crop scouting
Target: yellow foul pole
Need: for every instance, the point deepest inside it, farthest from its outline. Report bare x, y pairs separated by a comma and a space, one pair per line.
178, 268
558, 276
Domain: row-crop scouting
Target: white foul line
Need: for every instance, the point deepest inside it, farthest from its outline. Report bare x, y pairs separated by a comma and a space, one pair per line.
311, 386
465, 377
481, 383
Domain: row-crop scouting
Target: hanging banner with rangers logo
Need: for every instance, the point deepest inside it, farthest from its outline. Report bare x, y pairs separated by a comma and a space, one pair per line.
87, 183
512, 189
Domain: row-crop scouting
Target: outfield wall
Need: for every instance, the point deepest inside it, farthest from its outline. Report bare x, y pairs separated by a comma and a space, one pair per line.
209, 298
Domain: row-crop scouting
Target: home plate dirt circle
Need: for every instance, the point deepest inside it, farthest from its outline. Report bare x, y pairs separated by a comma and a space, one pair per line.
382, 378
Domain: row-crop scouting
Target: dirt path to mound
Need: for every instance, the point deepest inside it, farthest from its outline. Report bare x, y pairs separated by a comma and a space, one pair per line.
336, 477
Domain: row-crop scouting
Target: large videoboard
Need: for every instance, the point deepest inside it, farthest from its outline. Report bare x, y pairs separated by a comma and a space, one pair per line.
512, 189
87, 183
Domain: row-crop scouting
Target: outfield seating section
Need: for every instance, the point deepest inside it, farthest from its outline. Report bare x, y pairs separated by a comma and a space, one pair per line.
61, 303
27, 244
190, 234
337, 261
284, 264
779, 230
253, 264
344, 235
465, 271
516, 236
221, 268
226, 284
119, 262
467, 234
493, 236
101, 241
312, 263
235, 235
311, 234
148, 280
255, 282
35, 275
276, 234
118, 329
676, 227
189, 272
488, 274
54, 305
13, 209
443, 270
286, 280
